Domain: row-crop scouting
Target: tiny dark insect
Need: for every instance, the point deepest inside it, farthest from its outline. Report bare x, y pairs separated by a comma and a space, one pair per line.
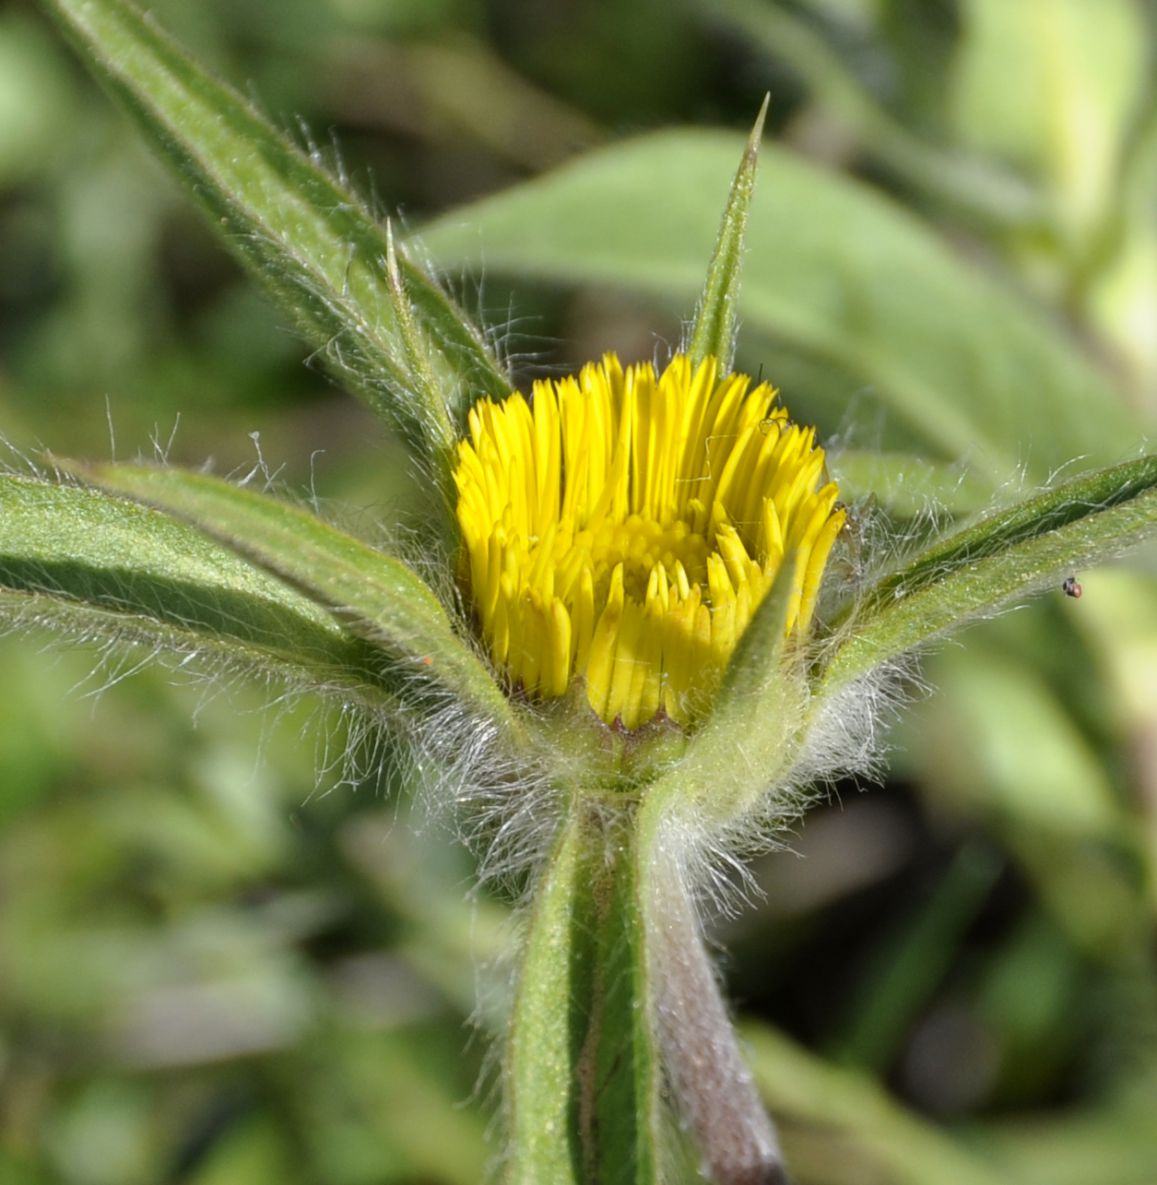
1072, 587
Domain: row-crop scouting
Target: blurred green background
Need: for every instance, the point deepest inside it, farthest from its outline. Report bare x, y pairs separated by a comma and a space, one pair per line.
218, 967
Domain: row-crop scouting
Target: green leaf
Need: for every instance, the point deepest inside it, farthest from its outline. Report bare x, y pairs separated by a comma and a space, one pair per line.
713, 329
1015, 754
583, 1078
975, 186
1009, 554
375, 596
377, 318
832, 268
867, 1135
906, 967
1054, 87
1113, 1142
100, 567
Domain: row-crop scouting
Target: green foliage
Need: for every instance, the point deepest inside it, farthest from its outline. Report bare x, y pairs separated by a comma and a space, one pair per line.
831, 268
377, 319
109, 567
374, 596
980, 568
716, 316
583, 1087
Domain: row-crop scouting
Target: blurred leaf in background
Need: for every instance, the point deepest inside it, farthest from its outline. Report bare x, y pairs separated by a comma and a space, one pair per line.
215, 969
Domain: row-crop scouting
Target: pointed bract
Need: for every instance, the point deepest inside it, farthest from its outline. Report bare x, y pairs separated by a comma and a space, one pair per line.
712, 332
375, 317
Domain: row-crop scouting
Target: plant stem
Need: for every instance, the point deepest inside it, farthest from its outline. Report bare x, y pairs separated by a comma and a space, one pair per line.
582, 1070
713, 1088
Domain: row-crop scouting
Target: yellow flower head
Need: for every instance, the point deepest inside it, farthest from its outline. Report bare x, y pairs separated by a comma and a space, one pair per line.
623, 528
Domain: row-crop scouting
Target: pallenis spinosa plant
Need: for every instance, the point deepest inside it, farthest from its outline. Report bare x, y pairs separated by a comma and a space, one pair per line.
613, 651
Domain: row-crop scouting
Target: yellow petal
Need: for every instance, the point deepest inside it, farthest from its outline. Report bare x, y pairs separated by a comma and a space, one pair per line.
622, 527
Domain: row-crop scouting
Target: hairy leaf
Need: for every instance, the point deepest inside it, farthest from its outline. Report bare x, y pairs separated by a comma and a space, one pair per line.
374, 595
1008, 554
376, 317
89, 563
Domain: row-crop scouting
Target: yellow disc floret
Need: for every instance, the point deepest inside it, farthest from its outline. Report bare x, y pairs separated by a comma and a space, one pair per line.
623, 528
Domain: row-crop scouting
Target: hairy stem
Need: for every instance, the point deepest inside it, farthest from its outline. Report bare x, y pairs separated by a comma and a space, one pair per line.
582, 1076
714, 1090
